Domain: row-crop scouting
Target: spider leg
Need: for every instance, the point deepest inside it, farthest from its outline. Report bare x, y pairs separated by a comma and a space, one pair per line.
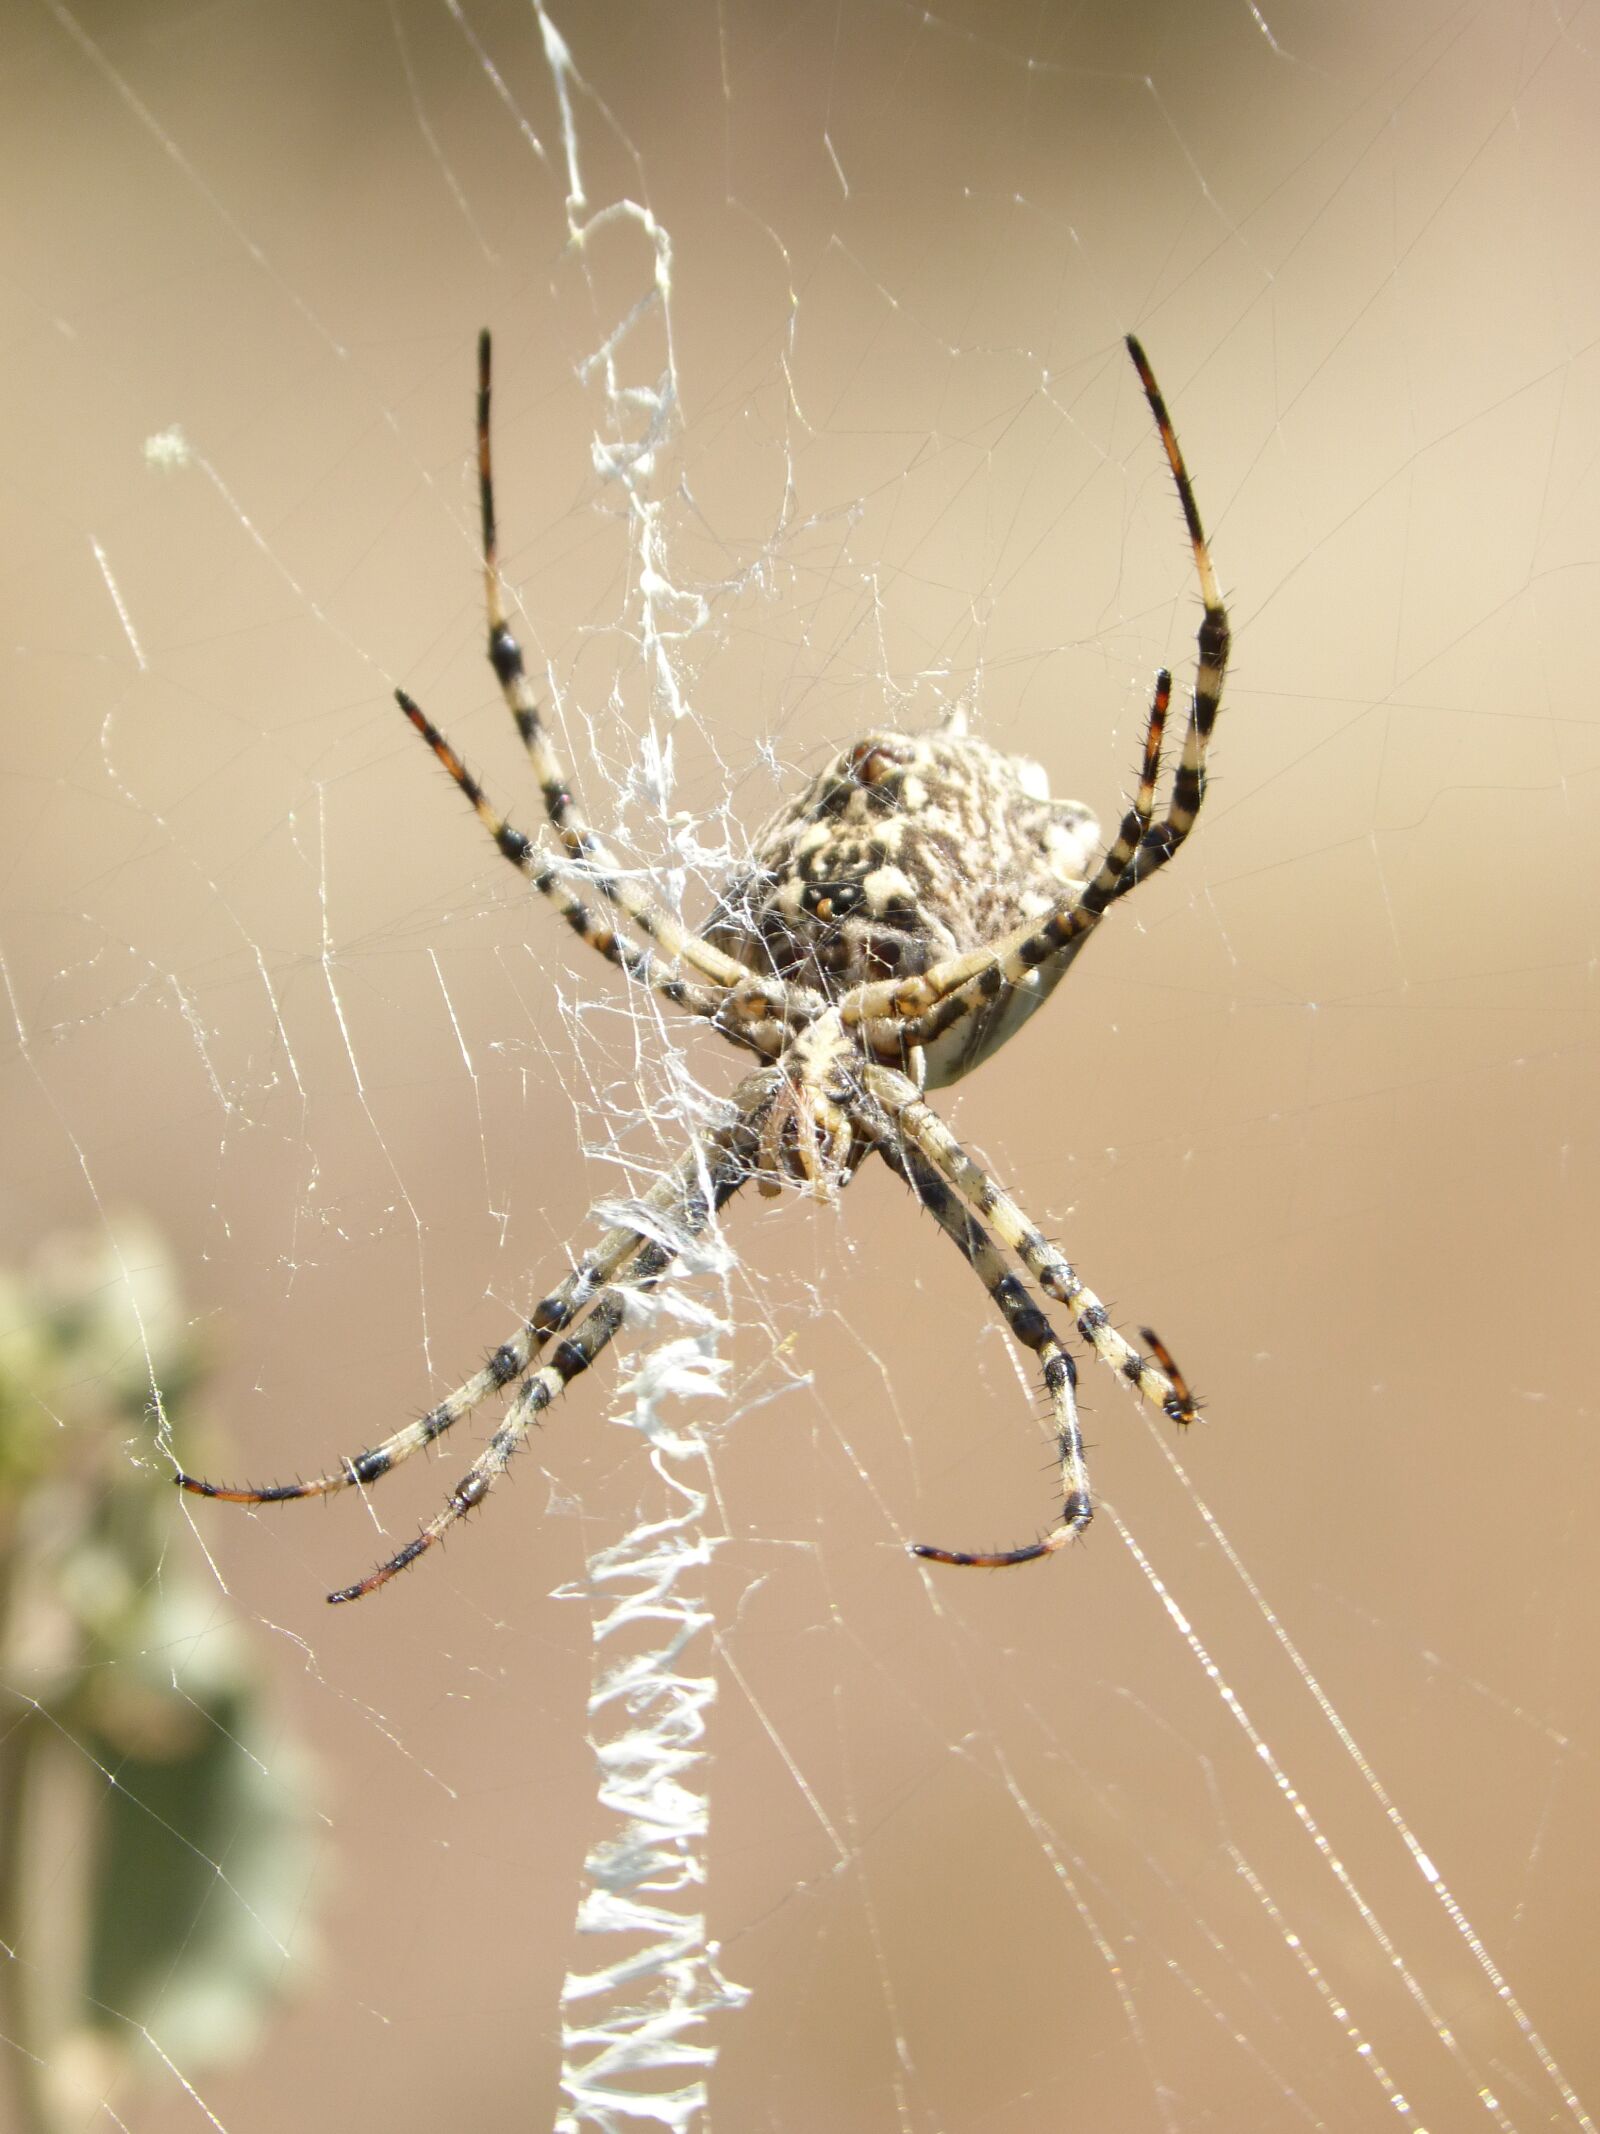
583, 846
1110, 877
630, 1254
1058, 935
1030, 1326
1113, 877
719, 1166
742, 1021
1212, 642
534, 1395
550, 1316
927, 1133
1117, 872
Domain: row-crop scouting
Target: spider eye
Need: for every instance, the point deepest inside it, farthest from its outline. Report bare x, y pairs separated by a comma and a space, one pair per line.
871, 762
831, 900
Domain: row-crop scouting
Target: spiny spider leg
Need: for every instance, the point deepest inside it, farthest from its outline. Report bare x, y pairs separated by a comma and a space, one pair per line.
627, 1255
715, 1003
926, 1132
1113, 878
582, 843
725, 1166
1180, 1385
1010, 960
533, 1396
1212, 642
1030, 1326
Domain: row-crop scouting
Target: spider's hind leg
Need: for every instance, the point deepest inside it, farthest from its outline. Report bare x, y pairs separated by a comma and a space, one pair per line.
981, 973
1121, 868
583, 847
736, 1013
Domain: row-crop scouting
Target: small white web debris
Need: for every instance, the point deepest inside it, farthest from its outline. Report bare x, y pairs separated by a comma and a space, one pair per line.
168, 450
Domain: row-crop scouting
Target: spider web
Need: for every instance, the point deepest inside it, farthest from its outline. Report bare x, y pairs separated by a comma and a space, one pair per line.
1270, 1804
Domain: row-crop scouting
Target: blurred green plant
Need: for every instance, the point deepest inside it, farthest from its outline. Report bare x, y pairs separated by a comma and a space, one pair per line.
156, 1829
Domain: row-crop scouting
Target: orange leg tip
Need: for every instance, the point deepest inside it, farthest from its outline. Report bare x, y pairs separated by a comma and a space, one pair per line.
996, 1560
197, 1486
1182, 1407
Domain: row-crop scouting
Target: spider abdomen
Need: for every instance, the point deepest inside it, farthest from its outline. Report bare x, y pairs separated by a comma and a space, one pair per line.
906, 849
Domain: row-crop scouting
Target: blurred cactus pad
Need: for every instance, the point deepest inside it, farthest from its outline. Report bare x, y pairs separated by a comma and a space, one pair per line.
156, 1829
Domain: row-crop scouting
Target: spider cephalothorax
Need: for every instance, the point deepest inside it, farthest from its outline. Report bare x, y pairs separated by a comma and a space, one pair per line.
894, 924
906, 850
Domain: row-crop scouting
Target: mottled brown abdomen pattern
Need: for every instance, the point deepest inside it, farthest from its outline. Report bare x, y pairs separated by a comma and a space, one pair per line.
905, 849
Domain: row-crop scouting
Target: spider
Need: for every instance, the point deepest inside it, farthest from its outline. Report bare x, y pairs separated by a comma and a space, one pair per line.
893, 926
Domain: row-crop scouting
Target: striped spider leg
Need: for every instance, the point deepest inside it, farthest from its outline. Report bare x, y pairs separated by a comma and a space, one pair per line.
1027, 1323
745, 1008
1037, 954
892, 926
584, 851
586, 1309
956, 1190
975, 1001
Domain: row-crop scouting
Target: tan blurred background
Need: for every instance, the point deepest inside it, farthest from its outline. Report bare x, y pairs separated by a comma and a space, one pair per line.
1321, 1105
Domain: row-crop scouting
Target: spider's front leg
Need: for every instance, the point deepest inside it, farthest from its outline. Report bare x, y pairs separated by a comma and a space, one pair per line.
586, 1310
915, 1141
1153, 1374
1032, 1328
